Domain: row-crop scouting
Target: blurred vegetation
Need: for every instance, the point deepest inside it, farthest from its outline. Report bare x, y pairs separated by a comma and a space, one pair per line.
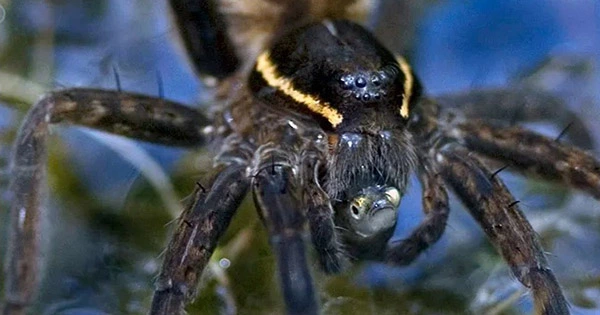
104, 234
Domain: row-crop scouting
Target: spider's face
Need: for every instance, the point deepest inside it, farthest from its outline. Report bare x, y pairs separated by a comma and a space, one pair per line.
339, 74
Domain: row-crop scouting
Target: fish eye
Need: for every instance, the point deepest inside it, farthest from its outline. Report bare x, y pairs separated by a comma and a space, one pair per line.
356, 211
393, 196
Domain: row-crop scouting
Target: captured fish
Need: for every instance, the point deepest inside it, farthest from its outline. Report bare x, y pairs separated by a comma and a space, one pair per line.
367, 222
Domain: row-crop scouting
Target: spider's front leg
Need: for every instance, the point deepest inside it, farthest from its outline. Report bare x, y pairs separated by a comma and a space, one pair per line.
276, 194
496, 210
320, 215
199, 228
534, 154
518, 106
127, 114
435, 206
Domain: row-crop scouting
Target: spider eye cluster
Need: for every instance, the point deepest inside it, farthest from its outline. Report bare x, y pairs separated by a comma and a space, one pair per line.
365, 86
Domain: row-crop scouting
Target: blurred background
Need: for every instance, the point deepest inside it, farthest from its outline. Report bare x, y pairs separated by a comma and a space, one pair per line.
111, 200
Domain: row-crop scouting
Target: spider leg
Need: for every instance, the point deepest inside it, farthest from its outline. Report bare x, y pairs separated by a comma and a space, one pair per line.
435, 206
534, 154
222, 36
320, 220
518, 106
199, 228
496, 210
282, 214
127, 114
204, 36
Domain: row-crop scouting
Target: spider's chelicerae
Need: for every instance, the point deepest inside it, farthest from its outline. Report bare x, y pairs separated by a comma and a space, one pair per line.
324, 126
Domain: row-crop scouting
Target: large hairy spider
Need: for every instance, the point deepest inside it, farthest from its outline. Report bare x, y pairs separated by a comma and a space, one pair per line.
324, 126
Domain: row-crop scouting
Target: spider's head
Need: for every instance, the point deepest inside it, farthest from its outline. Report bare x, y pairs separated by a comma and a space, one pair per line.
338, 73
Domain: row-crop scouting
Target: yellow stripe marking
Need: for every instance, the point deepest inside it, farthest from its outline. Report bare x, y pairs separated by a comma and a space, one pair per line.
408, 85
268, 70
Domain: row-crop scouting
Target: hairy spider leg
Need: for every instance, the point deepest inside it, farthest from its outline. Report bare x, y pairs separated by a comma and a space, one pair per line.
429, 231
127, 114
534, 154
200, 226
204, 36
278, 202
519, 105
319, 213
496, 210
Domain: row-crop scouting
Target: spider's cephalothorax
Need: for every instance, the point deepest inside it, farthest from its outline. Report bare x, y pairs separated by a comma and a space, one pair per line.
325, 118
358, 92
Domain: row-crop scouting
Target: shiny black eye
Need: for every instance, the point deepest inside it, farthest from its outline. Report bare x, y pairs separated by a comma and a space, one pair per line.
361, 82
347, 81
375, 80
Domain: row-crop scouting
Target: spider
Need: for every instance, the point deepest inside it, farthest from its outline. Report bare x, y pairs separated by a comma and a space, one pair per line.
323, 125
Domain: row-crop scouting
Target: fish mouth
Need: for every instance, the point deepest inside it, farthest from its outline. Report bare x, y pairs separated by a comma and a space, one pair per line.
379, 221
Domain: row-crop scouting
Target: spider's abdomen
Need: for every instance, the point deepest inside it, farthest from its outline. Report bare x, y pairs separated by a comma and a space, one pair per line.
338, 73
